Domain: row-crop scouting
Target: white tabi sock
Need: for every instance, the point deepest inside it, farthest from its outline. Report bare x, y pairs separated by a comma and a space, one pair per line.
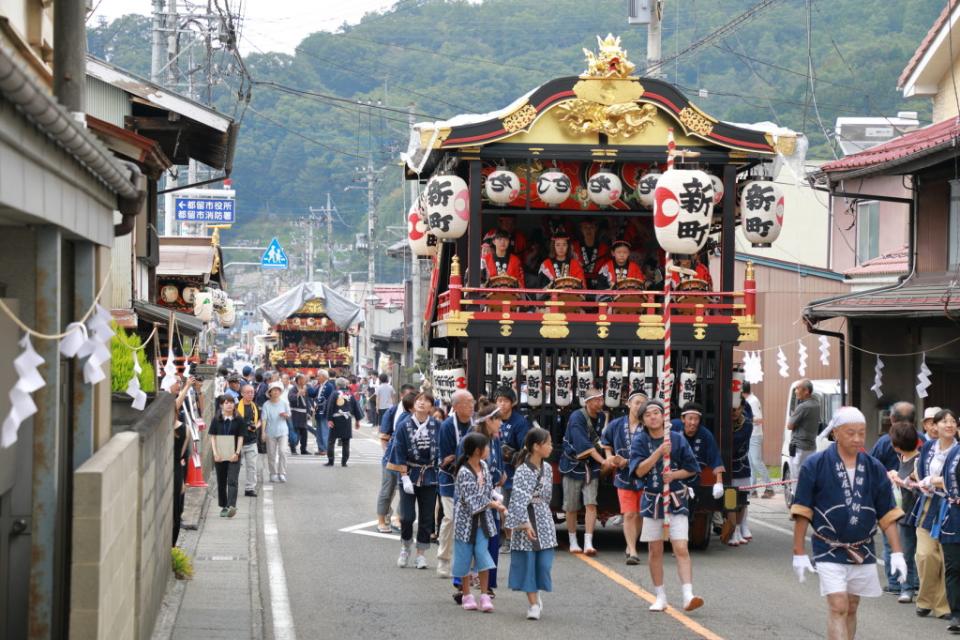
661, 591
588, 540
687, 592
573, 538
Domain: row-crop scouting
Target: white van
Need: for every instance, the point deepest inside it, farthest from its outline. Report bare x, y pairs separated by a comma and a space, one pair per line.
827, 393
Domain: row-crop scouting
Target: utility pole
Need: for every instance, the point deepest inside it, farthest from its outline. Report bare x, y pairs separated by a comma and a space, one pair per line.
371, 253
416, 323
70, 54
159, 44
654, 70
328, 218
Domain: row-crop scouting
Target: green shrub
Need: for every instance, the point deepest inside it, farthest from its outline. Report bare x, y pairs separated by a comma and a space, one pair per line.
121, 363
181, 564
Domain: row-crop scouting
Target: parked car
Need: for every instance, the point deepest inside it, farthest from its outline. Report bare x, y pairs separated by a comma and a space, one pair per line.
827, 393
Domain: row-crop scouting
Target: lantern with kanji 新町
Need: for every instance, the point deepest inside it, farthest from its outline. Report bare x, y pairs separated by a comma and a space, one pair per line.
227, 315
646, 186
203, 306
189, 294
508, 376
422, 242
534, 378
169, 293
688, 387
637, 382
447, 206
563, 386
614, 392
604, 188
553, 187
761, 210
584, 383
683, 210
502, 186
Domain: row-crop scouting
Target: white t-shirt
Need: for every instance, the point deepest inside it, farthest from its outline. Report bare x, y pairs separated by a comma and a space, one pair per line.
754, 403
384, 395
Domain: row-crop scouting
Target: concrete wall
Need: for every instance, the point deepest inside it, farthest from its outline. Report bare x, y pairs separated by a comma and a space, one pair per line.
123, 521
103, 571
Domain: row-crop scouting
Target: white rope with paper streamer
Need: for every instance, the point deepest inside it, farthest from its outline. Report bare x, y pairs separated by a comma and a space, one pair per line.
924, 378
802, 357
783, 364
22, 405
824, 351
877, 378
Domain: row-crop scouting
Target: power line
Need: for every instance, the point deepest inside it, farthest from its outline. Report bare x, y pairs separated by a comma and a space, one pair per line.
813, 79
304, 137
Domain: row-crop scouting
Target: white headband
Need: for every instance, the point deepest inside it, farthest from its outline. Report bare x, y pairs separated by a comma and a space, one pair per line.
635, 394
478, 419
848, 415
686, 411
596, 394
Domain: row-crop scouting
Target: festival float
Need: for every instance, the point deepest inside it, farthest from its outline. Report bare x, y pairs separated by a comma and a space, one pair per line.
634, 161
312, 325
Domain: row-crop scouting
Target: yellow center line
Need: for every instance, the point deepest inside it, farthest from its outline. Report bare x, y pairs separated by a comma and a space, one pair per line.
643, 594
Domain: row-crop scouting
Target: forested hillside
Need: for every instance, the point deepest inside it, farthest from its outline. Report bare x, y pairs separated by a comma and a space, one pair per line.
298, 141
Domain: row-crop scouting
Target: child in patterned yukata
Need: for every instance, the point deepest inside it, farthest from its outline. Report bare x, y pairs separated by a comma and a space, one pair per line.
473, 520
846, 495
534, 532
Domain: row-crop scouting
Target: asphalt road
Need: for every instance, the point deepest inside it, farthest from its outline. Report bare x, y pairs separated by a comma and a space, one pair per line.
345, 584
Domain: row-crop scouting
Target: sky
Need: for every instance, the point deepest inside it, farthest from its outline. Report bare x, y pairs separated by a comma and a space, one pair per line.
271, 25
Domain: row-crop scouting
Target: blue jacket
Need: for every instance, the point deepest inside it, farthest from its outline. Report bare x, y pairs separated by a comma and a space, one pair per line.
681, 457
416, 456
617, 436
579, 440
451, 433
883, 451
513, 431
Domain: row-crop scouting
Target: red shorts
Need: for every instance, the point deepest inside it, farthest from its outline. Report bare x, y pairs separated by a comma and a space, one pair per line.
629, 500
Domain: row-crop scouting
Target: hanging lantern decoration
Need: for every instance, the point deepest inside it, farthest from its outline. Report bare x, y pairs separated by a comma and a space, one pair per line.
683, 210
584, 383
228, 315
203, 306
219, 298
458, 377
423, 244
637, 381
502, 186
661, 391
534, 380
604, 188
553, 187
508, 376
717, 182
646, 186
614, 393
169, 293
447, 206
190, 294
736, 385
688, 387
761, 210
563, 386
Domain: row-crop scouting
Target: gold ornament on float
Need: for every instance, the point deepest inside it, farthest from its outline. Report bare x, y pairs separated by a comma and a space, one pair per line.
610, 61
617, 120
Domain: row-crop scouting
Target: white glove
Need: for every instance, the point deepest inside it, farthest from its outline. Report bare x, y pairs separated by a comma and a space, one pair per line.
898, 566
801, 564
926, 484
407, 484
497, 496
718, 491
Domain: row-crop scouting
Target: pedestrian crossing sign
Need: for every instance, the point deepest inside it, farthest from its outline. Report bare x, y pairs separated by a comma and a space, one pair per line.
274, 257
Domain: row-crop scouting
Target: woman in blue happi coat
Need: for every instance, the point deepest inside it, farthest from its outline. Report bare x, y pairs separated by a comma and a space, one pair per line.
949, 526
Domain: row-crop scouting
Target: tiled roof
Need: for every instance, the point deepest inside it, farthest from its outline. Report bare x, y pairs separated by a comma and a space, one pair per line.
899, 150
925, 43
887, 264
922, 296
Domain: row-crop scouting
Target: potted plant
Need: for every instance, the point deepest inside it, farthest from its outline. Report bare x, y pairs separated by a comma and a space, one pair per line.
123, 349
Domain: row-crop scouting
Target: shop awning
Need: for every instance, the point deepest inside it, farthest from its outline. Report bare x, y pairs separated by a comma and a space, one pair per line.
927, 295
186, 257
155, 313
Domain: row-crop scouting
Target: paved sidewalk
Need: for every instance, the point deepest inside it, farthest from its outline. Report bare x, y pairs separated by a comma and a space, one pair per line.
223, 598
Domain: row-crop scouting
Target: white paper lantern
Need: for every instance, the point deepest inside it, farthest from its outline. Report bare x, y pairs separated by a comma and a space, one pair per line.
447, 206
761, 211
508, 376
534, 379
563, 387
502, 186
683, 210
458, 378
736, 385
614, 393
604, 188
422, 243
688, 387
439, 383
646, 185
169, 293
203, 306
228, 315
190, 294
553, 187
717, 189
219, 298
584, 383
637, 382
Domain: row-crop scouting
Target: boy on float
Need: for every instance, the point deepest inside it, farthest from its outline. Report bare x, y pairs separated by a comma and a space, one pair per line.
646, 463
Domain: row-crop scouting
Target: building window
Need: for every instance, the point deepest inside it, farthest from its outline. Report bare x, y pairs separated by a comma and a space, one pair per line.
953, 231
868, 231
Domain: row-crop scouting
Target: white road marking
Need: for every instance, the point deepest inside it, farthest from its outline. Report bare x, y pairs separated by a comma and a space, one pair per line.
283, 628
360, 530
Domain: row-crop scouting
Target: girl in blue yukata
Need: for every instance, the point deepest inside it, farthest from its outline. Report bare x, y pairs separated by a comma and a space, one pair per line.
473, 519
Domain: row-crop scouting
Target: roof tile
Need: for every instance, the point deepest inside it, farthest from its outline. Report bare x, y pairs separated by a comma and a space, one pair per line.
910, 144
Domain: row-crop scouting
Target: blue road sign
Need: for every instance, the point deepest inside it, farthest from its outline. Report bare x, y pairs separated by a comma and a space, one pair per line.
274, 257
205, 210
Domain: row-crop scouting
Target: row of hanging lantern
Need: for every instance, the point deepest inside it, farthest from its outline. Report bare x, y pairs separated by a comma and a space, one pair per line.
209, 300
448, 376
682, 201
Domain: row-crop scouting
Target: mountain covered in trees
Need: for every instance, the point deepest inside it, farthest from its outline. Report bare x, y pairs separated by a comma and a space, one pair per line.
316, 115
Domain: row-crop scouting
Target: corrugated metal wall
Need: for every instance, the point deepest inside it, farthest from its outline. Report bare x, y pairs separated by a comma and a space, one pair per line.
107, 102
